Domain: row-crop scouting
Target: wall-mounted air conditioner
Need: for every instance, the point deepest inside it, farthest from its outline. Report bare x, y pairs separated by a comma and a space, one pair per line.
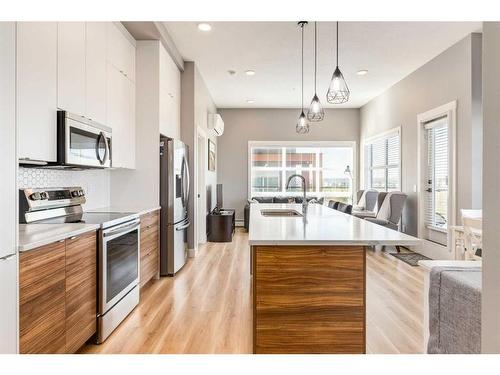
215, 123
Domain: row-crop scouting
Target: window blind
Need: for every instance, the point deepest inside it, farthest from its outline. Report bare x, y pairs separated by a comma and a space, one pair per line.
382, 163
436, 207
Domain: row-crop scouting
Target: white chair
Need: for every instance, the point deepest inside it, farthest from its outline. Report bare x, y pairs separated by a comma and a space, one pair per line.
472, 221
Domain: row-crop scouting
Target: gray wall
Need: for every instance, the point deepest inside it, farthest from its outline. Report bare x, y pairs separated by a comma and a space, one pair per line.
447, 77
490, 325
243, 125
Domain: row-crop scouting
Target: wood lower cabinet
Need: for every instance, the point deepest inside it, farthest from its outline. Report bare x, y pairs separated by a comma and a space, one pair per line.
42, 299
57, 295
150, 246
81, 290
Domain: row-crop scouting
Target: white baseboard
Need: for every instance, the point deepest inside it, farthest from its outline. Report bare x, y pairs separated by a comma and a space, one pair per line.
192, 253
239, 223
434, 251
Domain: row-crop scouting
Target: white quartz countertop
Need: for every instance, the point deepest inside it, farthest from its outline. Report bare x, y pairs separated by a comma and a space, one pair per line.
140, 210
320, 226
32, 236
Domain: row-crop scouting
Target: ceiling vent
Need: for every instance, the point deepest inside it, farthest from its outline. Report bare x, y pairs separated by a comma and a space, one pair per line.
215, 123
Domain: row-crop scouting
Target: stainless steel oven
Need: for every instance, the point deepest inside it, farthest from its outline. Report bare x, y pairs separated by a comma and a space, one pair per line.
82, 142
119, 254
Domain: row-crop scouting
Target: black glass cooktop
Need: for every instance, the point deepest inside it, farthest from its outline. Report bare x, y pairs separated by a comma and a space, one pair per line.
89, 218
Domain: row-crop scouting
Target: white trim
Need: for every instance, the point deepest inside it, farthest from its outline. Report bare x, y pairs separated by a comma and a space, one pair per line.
192, 253
199, 133
448, 110
352, 144
368, 140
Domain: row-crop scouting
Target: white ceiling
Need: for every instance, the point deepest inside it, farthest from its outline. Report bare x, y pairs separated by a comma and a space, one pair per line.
388, 50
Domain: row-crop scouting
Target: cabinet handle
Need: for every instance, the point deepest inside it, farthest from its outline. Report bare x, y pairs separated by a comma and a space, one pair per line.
73, 237
61, 241
149, 226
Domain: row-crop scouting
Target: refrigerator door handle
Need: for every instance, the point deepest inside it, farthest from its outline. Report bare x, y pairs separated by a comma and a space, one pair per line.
186, 225
186, 170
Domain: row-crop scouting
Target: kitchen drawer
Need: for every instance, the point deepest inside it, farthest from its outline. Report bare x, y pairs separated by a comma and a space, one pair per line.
149, 239
150, 219
149, 265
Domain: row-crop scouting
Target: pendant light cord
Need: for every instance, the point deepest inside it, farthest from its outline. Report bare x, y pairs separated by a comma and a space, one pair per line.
315, 56
302, 104
337, 43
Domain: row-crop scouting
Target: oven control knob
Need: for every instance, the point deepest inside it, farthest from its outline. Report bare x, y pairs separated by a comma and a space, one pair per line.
44, 195
35, 196
74, 193
81, 193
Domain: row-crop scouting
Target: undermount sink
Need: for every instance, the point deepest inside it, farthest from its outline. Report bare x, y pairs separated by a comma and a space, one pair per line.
280, 212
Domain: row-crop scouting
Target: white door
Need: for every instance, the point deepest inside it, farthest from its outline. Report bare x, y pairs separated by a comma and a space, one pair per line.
37, 90
201, 195
71, 67
437, 179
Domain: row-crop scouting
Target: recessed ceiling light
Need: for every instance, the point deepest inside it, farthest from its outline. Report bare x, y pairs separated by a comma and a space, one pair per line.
250, 72
204, 26
250, 101
362, 72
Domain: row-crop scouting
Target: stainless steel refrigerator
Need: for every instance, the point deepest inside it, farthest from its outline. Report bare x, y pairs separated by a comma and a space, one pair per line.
174, 198
8, 192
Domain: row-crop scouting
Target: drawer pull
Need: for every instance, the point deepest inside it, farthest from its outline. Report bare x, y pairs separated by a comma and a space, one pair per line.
149, 226
73, 238
61, 241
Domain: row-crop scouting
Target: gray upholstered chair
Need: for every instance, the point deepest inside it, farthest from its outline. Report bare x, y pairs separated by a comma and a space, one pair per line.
367, 204
389, 212
333, 204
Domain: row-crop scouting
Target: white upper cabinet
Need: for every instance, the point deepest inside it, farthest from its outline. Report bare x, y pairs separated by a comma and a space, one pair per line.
37, 90
170, 96
120, 94
95, 66
121, 51
71, 67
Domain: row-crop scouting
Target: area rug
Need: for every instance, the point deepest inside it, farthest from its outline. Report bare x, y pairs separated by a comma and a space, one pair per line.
410, 258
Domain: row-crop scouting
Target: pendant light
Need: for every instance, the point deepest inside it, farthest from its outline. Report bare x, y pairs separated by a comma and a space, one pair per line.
338, 92
315, 112
302, 126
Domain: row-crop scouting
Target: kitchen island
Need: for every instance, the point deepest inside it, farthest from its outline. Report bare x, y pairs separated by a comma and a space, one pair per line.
309, 275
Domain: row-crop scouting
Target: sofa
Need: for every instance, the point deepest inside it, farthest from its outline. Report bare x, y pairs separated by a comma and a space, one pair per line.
276, 199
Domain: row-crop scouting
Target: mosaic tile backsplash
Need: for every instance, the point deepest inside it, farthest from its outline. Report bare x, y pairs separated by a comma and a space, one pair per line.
95, 182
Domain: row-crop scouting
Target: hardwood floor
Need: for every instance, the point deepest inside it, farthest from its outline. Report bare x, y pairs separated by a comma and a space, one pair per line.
207, 307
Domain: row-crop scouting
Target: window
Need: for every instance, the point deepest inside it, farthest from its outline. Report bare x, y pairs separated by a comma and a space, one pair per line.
323, 165
436, 210
382, 163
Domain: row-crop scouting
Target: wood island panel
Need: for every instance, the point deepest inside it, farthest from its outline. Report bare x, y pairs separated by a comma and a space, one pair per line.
309, 299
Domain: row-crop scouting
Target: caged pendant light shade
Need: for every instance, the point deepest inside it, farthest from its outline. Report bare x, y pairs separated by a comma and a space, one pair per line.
315, 112
338, 92
302, 126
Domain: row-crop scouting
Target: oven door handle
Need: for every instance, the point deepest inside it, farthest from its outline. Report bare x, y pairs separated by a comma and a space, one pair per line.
123, 229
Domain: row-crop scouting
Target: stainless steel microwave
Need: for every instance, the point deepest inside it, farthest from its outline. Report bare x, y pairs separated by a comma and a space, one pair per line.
82, 143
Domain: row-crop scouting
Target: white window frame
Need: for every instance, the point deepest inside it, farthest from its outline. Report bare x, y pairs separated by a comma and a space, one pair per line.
448, 110
369, 140
352, 144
